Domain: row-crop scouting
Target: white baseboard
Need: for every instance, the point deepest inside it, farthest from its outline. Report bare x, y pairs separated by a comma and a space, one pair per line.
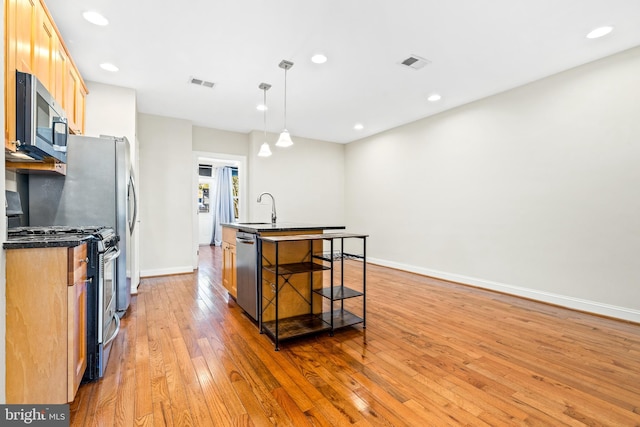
166, 271
594, 307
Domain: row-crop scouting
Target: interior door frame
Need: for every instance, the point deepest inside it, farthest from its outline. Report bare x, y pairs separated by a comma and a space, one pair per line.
232, 160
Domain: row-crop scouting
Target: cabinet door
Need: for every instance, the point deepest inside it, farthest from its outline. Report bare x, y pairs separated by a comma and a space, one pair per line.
20, 23
226, 266
37, 328
60, 73
81, 98
74, 100
77, 339
229, 268
46, 42
25, 24
76, 318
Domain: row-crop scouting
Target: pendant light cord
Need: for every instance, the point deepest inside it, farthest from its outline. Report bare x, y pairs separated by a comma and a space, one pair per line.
285, 98
265, 114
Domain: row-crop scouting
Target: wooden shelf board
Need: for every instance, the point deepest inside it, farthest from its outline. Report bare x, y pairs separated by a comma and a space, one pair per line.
292, 327
294, 268
339, 292
341, 318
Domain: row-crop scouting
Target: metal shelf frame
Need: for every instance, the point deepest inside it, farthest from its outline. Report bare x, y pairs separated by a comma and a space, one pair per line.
331, 320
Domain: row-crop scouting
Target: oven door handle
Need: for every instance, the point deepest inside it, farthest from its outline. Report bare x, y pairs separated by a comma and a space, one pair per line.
115, 333
111, 255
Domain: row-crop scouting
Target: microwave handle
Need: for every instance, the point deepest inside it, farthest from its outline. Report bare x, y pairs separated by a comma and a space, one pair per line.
60, 121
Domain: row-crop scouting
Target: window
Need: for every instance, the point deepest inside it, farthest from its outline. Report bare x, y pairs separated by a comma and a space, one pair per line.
235, 192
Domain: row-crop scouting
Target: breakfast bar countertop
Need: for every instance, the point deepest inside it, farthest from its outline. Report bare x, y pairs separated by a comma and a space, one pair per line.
260, 227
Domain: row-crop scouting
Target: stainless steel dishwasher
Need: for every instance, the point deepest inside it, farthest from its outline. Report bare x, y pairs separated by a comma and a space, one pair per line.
247, 273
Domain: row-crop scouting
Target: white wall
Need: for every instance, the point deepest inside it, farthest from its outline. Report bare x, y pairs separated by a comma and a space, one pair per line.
307, 181
225, 146
534, 191
111, 110
220, 141
165, 183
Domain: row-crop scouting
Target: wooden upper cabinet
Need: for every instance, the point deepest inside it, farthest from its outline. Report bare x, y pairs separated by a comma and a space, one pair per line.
60, 64
45, 43
74, 101
24, 23
20, 23
34, 45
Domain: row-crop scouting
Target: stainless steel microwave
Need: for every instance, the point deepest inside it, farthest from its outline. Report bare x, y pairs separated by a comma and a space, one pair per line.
41, 123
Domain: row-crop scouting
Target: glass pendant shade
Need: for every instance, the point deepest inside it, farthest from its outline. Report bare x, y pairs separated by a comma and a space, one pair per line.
285, 139
265, 151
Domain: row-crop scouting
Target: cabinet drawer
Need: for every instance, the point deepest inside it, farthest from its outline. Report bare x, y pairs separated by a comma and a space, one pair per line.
229, 235
77, 264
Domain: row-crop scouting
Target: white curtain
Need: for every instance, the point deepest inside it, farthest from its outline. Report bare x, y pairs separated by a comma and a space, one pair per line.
223, 207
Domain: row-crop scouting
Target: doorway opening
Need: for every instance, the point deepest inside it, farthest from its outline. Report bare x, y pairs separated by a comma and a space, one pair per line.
205, 166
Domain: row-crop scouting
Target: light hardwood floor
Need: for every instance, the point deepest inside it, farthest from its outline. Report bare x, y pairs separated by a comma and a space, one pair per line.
433, 353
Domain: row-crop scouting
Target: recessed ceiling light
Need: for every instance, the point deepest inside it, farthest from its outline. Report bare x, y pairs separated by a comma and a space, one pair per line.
109, 67
358, 126
319, 58
434, 97
599, 32
95, 18
262, 107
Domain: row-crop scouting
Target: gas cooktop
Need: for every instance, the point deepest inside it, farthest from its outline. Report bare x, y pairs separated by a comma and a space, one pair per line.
56, 229
59, 235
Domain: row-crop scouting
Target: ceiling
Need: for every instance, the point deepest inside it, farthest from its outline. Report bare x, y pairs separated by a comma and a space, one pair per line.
475, 48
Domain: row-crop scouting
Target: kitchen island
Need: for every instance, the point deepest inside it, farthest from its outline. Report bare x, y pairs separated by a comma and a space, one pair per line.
243, 236
280, 281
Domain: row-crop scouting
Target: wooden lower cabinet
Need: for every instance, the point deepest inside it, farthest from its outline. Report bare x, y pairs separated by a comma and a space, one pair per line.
46, 351
229, 261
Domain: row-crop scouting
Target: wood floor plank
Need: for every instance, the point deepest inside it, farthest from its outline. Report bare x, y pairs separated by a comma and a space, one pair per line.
222, 379
216, 400
434, 353
143, 396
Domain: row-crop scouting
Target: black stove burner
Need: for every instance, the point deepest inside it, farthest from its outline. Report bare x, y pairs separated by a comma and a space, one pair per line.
54, 229
105, 234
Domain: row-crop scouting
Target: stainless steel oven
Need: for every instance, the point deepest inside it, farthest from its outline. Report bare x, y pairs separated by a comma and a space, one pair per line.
108, 319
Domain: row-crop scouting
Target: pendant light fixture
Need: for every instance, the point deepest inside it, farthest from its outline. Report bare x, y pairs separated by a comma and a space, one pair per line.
285, 139
265, 151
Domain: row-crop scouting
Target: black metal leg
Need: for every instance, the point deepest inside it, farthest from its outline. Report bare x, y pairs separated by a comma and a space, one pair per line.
277, 292
364, 283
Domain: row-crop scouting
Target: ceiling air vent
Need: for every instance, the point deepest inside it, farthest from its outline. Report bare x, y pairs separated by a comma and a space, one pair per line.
414, 61
200, 82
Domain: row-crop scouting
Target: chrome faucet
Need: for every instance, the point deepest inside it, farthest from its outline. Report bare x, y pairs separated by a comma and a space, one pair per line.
273, 206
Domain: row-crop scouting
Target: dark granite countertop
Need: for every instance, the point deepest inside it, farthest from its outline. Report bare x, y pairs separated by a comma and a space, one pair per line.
44, 241
260, 227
